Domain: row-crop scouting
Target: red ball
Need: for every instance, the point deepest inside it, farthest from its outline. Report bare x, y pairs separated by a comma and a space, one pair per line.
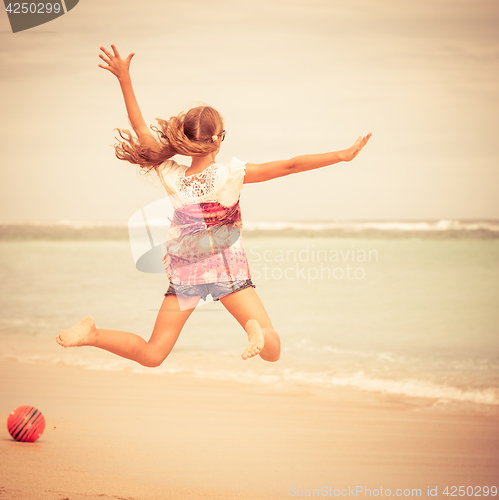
26, 423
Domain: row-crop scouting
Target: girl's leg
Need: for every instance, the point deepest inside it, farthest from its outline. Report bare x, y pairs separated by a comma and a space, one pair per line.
169, 323
247, 308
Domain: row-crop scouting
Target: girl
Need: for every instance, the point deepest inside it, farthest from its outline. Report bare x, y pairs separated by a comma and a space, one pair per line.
205, 254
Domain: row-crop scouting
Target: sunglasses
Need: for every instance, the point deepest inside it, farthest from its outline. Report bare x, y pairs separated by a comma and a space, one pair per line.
222, 134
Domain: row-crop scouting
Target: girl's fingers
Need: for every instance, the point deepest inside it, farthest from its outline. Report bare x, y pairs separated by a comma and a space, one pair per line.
108, 54
111, 58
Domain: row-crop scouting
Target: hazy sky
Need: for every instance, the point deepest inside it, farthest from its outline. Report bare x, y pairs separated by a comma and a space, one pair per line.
290, 77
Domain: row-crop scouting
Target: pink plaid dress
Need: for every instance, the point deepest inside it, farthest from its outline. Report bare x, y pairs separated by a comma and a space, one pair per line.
204, 243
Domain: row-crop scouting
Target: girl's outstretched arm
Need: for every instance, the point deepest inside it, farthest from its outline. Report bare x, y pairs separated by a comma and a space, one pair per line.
259, 172
120, 68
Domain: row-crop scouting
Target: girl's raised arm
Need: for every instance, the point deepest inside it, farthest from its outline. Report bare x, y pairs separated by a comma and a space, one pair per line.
259, 172
120, 68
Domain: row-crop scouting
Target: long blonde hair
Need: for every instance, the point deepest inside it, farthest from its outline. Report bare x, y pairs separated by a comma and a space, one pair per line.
188, 134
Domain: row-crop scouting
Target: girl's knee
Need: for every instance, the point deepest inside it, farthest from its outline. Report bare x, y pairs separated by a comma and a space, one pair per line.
272, 350
273, 357
154, 357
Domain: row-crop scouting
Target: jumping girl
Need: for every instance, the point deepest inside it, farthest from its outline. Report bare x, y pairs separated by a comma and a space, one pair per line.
205, 254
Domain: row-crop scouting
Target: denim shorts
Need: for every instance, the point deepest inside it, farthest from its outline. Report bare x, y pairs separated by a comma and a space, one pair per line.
217, 290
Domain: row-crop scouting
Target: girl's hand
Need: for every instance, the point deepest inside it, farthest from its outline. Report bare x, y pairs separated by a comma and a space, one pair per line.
350, 153
118, 66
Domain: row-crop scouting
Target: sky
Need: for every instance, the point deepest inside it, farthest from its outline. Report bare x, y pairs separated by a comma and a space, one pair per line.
290, 78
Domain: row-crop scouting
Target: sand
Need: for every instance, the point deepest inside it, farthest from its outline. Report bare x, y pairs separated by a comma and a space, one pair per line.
147, 436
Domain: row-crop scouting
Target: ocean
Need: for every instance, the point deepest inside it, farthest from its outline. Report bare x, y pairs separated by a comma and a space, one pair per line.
403, 309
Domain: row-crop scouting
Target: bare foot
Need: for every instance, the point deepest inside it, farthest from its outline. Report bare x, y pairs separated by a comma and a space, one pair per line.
81, 334
256, 337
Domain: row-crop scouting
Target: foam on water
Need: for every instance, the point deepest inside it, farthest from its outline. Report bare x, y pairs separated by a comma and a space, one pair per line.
405, 226
280, 377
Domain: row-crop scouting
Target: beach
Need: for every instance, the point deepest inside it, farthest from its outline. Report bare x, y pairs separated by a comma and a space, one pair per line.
148, 436
379, 272
386, 386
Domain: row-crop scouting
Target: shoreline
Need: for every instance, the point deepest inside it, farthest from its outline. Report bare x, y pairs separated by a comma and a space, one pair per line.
274, 385
129, 435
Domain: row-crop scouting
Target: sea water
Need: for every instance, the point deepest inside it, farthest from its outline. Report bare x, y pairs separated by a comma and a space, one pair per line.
402, 309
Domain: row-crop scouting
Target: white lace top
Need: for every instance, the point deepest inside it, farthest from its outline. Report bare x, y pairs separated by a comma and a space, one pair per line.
220, 182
